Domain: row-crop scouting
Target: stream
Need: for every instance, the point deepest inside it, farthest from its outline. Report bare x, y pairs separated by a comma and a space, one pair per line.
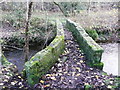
110, 58
17, 56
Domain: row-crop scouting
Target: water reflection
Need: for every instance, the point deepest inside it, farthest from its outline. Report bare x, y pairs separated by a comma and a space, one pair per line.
17, 57
110, 58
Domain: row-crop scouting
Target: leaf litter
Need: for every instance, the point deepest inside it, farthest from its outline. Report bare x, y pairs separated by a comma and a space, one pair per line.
72, 72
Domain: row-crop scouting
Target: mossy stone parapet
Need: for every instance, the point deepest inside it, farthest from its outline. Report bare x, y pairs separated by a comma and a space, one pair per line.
92, 50
10, 67
4, 61
42, 61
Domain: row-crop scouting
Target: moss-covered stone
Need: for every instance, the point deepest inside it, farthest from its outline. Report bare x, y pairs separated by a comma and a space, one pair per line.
11, 68
42, 61
92, 50
4, 61
92, 33
98, 65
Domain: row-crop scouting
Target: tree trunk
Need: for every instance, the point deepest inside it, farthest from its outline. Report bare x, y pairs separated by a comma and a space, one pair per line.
28, 15
60, 9
88, 9
1, 74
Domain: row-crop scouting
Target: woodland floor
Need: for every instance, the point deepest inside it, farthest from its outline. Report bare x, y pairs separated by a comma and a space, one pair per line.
7, 31
70, 71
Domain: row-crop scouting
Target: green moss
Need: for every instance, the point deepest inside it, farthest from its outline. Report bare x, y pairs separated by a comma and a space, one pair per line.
117, 82
92, 33
41, 66
4, 61
98, 65
92, 50
87, 87
42, 62
23, 73
104, 73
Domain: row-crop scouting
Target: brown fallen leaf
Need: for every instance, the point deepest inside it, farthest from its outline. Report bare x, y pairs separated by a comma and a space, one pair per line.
78, 74
48, 85
19, 76
109, 86
81, 61
1, 84
73, 73
97, 76
41, 81
5, 80
65, 72
12, 83
53, 78
78, 69
48, 75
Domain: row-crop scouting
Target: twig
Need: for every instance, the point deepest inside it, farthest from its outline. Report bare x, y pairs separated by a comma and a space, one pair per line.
60, 9
12, 47
46, 39
2, 1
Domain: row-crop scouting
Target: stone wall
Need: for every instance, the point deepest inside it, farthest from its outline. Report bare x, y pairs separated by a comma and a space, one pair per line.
42, 61
92, 50
6, 68
4, 61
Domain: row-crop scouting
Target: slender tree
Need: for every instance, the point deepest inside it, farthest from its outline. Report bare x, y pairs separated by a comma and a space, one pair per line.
88, 9
60, 8
28, 15
0, 45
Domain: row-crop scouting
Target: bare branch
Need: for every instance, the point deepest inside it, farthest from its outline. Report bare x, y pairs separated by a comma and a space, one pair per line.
60, 8
2, 1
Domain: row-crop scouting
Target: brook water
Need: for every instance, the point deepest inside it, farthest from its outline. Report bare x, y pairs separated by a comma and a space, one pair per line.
110, 58
17, 56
